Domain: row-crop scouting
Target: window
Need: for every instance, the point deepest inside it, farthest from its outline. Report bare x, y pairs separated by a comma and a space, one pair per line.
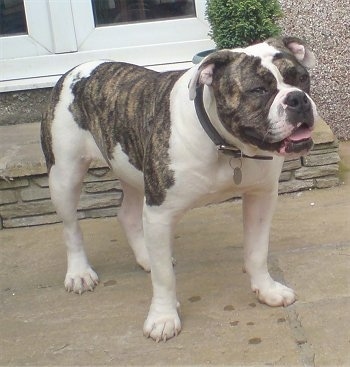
12, 17
45, 38
127, 11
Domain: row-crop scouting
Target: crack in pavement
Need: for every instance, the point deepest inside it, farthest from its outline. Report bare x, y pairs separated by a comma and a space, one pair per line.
306, 353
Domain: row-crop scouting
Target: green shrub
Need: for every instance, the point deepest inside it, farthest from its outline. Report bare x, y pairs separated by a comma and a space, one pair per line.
238, 23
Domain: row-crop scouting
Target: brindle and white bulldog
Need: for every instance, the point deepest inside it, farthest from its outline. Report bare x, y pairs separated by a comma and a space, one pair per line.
177, 140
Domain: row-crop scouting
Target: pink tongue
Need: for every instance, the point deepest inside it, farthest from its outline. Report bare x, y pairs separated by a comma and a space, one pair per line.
300, 134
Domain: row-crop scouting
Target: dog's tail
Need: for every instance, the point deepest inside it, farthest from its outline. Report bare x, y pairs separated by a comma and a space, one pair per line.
46, 124
46, 140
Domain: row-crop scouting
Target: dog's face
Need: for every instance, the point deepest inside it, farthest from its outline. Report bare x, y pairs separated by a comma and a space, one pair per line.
261, 94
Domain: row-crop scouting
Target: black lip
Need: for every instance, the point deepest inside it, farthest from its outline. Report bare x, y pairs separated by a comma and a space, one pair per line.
297, 146
251, 136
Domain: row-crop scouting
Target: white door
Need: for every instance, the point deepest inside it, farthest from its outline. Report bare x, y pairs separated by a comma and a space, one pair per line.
60, 34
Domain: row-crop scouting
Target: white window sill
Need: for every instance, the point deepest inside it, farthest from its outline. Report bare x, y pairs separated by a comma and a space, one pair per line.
50, 81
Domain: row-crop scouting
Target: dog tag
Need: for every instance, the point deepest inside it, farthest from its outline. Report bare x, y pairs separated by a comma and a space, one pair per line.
237, 175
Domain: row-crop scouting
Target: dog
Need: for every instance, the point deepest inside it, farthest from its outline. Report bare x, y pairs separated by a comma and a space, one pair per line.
178, 140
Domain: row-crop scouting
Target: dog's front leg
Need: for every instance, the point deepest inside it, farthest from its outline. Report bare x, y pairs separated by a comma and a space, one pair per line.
163, 321
258, 209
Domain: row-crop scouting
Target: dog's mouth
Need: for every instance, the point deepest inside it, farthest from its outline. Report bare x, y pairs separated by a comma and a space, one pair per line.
299, 141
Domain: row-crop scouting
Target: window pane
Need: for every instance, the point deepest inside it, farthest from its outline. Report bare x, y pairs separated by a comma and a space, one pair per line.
12, 17
127, 11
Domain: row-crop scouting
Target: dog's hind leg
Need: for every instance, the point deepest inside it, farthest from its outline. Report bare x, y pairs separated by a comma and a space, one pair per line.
130, 217
65, 180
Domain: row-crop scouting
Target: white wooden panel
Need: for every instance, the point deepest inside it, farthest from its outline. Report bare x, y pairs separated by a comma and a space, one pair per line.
201, 6
83, 19
62, 25
38, 23
19, 47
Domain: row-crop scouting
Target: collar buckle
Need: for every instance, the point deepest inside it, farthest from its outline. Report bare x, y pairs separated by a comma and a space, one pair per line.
236, 153
230, 150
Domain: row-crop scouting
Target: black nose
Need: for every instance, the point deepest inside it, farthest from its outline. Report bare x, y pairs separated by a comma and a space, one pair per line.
298, 101
299, 108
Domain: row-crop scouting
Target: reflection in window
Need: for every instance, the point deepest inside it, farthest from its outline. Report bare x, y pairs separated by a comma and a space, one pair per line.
122, 11
12, 17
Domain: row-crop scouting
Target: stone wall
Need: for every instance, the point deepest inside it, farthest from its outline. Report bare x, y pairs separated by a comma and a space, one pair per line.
25, 201
25, 198
318, 170
23, 106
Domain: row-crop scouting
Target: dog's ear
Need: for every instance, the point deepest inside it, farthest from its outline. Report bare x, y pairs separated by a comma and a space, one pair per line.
203, 73
301, 52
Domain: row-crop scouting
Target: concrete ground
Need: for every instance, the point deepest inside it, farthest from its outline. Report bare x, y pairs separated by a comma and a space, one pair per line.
223, 324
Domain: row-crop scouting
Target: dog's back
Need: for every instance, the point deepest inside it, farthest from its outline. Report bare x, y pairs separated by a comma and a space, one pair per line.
116, 102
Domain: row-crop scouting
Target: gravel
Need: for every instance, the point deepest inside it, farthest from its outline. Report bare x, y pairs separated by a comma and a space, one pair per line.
325, 26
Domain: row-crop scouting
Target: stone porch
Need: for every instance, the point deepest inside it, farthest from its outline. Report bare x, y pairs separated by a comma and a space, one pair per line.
25, 198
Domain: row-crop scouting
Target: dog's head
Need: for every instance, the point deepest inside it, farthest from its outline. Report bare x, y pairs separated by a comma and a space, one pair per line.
262, 94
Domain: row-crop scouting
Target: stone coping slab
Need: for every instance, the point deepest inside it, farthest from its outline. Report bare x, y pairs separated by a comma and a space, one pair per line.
20, 151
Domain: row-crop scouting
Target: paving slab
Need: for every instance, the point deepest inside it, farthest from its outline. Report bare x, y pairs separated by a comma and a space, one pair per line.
223, 324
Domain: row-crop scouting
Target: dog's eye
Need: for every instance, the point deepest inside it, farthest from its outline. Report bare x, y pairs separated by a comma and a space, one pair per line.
258, 91
303, 78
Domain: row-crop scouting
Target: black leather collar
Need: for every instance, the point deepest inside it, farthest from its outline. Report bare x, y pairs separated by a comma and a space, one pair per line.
208, 127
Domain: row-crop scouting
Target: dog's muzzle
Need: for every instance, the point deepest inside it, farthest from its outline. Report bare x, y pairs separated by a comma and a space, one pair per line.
292, 124
300, 116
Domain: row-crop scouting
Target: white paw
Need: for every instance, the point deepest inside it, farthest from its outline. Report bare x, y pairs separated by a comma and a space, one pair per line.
79, 282
276, 294
162, 326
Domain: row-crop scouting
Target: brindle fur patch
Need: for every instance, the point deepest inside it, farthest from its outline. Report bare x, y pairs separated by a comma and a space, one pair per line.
242, 109
129, 105
292, 71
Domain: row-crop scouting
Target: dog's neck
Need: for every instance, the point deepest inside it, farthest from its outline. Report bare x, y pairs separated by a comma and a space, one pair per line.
224, 141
